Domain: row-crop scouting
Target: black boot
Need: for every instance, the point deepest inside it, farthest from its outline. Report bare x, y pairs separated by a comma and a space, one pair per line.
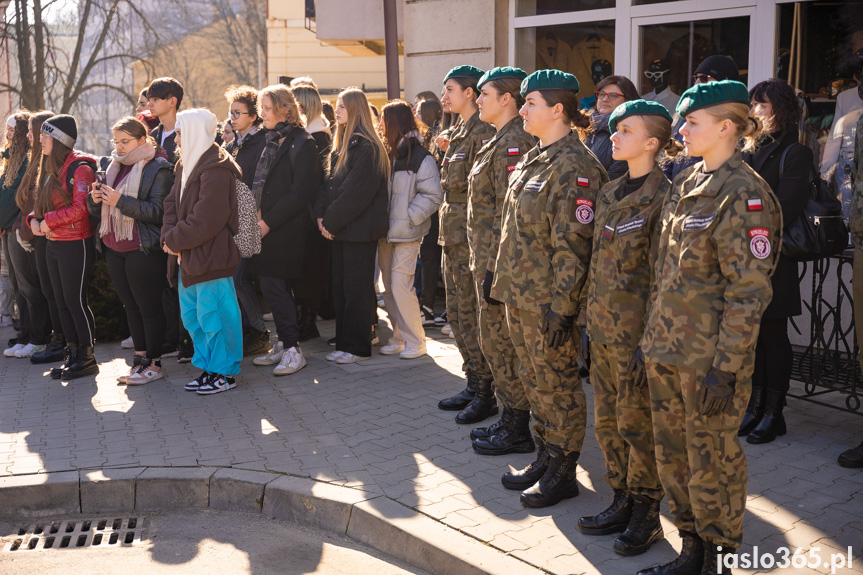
513, 437
772, 423
55, 351
689, 562
484, 432
852, 458
524, 478
644, 528
483, 406
308, 322
714, 559
613, 519
70, 354
557, 484
83, 366
754, 411
462, 399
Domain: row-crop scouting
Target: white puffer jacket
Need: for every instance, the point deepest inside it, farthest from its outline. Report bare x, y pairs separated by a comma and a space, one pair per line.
415, 194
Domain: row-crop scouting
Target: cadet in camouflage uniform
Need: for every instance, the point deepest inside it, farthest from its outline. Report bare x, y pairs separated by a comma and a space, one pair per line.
721, 236
460, 94
499, 102
540, 271
625, 247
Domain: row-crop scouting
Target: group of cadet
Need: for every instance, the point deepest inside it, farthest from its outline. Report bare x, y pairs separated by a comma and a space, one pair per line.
658, 286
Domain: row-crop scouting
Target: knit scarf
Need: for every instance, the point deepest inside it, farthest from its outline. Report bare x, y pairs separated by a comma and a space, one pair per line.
265, 163
112, 219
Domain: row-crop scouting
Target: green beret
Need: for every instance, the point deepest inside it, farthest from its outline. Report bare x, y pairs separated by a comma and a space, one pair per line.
464, 72
500, 73
636, 108
710, 94
549, 80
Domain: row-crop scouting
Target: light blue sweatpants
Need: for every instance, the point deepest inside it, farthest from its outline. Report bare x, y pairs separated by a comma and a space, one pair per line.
211, 314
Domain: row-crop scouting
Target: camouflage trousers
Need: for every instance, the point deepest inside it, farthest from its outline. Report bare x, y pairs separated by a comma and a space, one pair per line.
499, 352
461, 309
551, 382
624, 429
701, 462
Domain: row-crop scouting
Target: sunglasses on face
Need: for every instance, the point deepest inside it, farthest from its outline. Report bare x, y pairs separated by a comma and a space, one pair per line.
701, 78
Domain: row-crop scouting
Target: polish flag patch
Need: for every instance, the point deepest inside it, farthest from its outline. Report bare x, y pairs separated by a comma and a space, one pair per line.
754, 205
584, 182
513, 151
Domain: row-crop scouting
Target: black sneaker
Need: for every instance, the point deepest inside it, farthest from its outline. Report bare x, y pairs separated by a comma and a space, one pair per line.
217, 383
428, 316
441, 320
185, 356
331, 341
196, 384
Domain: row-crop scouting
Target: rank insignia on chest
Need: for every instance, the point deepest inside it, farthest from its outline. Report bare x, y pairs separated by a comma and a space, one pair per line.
754, 204
583, 182
759, 245
608, 232
584, 210
697, 223
513, 151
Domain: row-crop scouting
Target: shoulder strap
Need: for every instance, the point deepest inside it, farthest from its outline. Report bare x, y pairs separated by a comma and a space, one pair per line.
297, 145
70, 173
782, 160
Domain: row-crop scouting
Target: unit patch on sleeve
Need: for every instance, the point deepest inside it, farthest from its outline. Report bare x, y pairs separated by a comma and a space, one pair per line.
584, 210
513, 151
584, 182
759, 245
753, 204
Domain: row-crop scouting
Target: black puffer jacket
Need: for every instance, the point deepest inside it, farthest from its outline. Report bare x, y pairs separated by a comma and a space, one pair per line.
147, 209
247, 154
599, 142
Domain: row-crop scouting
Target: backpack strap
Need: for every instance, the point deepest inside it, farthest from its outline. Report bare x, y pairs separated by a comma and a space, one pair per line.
782, 160
70, 173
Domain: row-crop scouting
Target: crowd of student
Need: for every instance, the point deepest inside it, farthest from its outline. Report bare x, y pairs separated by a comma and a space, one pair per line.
564, 245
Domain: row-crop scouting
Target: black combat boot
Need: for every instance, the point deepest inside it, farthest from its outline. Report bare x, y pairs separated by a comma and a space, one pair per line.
308, 322
852, 458
463, 398
55, 351
557, 484
484, 432
84, 365
613, 519
523, 478
689, 562
70, 354
754, 411
772, 423
714, 559
644, 528
483, 405
513, 437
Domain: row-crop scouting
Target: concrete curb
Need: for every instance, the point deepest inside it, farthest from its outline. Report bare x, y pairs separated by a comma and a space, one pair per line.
375, 520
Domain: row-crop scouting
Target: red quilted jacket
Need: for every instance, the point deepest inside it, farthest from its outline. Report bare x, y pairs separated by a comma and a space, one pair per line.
72, 222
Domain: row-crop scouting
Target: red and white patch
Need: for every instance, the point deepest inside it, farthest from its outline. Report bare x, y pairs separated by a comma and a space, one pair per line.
759, 245
513, 151
754, 205
511, 168
584, 210
583, 182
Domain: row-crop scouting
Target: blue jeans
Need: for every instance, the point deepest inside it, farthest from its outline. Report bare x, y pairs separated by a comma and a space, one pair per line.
211, 314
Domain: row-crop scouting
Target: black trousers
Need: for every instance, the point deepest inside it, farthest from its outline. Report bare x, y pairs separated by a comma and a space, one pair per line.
40, 243
69, 265
176, 333
773, 356
430, 255
35, 321
139, 279
277, 292
354, 295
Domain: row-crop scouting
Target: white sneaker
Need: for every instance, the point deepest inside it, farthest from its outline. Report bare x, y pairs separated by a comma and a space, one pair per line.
351, 358
28, 350
127, 343
145, 375
11, 351
136, 367
412, 353
268, 317
446, 330
273, 356
392, 348
334, 355
292, 362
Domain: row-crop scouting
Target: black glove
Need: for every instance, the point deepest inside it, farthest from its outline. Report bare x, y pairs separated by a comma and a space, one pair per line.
584, 349
558, 328
639, 374
716, 392
486, 289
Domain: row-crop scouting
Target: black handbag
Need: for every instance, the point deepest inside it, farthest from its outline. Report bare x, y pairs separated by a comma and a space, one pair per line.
820, 231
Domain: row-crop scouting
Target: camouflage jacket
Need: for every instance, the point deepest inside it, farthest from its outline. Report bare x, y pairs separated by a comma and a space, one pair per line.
856, 217
547, 228
488, 181
625, 247
463, 146
720, 244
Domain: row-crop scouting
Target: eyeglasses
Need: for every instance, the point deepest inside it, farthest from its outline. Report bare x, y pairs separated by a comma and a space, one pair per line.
236, 115
125, 142
607, 95
655, 75
701, 78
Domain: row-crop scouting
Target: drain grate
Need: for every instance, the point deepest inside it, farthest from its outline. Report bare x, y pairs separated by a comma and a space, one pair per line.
74, 534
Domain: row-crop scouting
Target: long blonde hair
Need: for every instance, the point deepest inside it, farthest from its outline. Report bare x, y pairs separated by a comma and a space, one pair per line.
359, 123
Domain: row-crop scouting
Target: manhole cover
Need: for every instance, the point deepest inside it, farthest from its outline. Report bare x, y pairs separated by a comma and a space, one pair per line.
72, 534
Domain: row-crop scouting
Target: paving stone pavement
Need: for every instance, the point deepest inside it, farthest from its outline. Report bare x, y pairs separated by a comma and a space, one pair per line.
375, 426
